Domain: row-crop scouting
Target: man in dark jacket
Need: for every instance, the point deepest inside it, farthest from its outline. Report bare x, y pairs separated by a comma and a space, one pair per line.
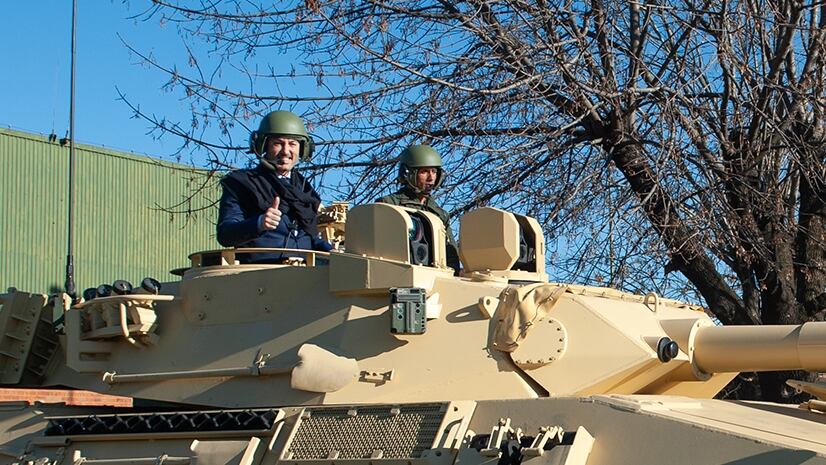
420, 173
271, 205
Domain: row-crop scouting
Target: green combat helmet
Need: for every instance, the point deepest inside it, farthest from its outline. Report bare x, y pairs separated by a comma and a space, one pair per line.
415, 157
281, 123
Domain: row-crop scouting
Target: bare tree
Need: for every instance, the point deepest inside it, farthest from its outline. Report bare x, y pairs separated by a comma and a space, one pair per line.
647, 137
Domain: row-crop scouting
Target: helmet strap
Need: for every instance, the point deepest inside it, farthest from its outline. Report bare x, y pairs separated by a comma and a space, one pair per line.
266, 164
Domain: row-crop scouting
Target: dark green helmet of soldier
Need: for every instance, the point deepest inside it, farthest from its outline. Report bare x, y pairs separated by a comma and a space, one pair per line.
415, 157
281, 123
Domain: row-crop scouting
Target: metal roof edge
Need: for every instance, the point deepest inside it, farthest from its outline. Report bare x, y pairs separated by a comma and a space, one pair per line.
6, 131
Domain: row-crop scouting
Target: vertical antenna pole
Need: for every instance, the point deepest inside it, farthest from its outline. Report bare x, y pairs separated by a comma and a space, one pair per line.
70, 265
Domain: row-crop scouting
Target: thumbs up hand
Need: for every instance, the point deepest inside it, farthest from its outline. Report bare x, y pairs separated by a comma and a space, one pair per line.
271, 217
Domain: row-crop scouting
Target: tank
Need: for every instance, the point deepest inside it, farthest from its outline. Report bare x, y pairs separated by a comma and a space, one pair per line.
379, 355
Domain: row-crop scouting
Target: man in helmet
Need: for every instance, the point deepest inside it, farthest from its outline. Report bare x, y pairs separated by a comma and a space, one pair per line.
420, 173
271, 205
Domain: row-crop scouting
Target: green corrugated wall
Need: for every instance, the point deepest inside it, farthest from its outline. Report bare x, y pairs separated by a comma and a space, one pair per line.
121, 230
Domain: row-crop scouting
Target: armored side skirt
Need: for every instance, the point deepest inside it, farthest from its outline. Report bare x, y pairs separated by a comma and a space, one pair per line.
594, 430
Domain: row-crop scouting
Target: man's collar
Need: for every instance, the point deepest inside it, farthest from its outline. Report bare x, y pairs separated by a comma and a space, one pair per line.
411, 194
266, 166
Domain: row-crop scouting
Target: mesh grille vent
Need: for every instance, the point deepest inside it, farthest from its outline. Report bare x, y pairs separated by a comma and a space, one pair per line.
399, 432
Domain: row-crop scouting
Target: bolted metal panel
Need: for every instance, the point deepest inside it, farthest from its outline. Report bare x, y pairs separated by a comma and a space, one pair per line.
121, 228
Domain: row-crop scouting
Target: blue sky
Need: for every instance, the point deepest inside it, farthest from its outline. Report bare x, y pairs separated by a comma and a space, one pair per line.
34, 86
34, 83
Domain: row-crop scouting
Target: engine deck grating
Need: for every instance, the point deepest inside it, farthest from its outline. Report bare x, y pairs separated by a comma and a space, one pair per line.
361, 432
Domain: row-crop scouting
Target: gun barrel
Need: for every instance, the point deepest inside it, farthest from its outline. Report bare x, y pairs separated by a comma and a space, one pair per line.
728, 349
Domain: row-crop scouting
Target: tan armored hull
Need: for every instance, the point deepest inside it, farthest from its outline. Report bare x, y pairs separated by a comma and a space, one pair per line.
379, 355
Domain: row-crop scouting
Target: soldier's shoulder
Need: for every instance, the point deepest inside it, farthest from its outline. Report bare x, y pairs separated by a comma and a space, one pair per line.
232, 178
393, 199
432, 205
239, 174
238, 181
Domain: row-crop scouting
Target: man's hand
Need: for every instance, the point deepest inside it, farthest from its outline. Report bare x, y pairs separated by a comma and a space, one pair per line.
271, 217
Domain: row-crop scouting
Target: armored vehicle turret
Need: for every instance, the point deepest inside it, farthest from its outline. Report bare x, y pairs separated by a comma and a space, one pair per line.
378, 354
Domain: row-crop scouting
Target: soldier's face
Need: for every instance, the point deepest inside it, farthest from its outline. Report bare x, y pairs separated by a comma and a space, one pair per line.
426, 178
282, 152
